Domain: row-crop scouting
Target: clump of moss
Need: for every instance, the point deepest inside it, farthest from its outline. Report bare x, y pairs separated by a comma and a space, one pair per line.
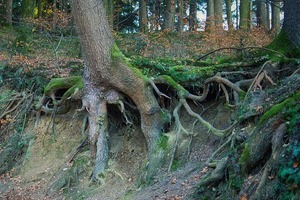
163, 142
278, 108
245, 155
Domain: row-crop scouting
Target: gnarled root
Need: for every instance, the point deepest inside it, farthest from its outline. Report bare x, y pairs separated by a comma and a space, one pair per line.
217, 174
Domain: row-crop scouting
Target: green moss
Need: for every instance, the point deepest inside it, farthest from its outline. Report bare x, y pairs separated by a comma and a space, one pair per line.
175, 165
283, 45
63, 83
163, 142
181, 91
245, 155
278, 108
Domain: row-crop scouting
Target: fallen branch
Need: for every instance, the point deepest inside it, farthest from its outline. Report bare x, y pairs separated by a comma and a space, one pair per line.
240, 49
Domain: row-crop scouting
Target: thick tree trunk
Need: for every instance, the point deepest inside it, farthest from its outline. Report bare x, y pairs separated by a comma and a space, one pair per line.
143, 20
108, 73
291, 25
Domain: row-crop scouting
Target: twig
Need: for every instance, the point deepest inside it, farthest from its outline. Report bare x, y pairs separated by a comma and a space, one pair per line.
240, 49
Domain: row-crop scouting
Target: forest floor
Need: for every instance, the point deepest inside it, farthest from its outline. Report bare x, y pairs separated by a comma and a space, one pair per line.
50, 155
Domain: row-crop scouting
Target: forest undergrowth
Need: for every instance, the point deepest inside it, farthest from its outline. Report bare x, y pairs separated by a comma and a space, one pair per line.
245, 95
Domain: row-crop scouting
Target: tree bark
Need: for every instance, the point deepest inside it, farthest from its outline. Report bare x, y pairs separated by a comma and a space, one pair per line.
8, 12
261, 15
291, 25
143, 20
193, 15
275, 16
180, 16
107, 73
218, 8
210, 14
229, 14
169, 15
244, 15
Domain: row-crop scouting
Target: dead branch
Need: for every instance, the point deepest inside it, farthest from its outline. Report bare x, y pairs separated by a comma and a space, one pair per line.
217, 132
240, 49
156, 89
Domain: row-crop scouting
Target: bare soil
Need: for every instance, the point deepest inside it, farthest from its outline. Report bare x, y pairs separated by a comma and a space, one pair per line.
53, 147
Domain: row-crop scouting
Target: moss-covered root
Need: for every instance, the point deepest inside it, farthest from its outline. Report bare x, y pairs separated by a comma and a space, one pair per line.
277, 142
216, 175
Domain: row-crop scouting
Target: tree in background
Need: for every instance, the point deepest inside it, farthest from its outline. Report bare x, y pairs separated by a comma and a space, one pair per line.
218, 13
244, 15
261, 15
276, 15
143, 18
210, 14
169, 20
229, 14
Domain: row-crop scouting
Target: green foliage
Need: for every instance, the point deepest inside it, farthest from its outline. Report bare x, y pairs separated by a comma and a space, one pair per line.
71, 176
13, 150
19, 79
175, 165
283, 45
292, 115
163, 142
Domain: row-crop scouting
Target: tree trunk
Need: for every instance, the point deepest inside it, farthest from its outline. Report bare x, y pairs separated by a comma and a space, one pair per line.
261, 15
8, 12
106, 74
169, 15
143, 20
291, 25
218, 8
27, 8
244, 14
39, 7
210, 14
193, 15
275, 16
180, 16
229, 14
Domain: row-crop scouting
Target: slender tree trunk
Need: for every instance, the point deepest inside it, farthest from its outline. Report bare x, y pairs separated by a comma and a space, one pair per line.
143, 20
169, 15
193, 15
237, 13
27, 8
244, 14
54, 15
180, 16
229, 14
39, 7
8, 12
218, 8
210, 14
106, 74
275, 16
261, 14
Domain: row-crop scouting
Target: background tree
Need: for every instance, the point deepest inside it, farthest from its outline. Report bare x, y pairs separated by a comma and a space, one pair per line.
210, 14
276, 15
169, 20
143, 18
261, 14
244, 14
229, 14
192, 15
8, 15
218, 13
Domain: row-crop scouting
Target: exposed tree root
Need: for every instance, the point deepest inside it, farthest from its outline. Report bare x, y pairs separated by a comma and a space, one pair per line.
277, 143
217, 174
